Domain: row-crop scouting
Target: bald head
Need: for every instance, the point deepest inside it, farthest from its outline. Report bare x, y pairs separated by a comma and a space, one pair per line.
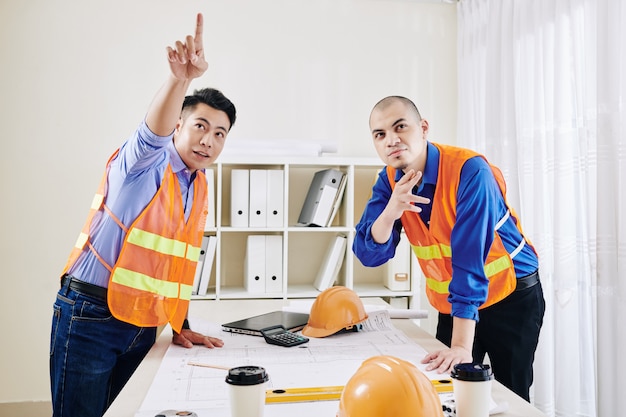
390, 100
399, 133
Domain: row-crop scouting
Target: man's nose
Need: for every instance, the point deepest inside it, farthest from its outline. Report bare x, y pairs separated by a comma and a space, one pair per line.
392, 139
206, 140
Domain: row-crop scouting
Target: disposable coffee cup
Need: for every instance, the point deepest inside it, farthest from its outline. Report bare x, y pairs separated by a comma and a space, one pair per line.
247, 385
472, 389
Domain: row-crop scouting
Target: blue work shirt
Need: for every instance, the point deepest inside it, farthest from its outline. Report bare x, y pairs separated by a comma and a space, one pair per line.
134, 177
480, 205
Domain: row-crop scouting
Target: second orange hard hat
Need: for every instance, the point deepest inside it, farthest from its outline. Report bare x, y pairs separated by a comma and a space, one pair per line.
335, 309
391, 387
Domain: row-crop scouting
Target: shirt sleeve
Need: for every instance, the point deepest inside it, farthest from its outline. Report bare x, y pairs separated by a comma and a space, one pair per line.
141, 151
472, 236
369, 252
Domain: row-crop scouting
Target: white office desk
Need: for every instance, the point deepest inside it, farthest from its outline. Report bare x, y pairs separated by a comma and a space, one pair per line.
131, 397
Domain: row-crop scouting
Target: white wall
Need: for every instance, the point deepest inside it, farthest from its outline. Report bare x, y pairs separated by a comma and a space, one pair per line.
77, 77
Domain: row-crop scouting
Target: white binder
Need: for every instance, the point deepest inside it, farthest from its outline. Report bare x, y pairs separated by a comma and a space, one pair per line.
398, 268
210, 218
205, 276
338, 200
273, 264
254, 264
258, 198
239, 193
331, 264
196, 278
320, 199
275, 198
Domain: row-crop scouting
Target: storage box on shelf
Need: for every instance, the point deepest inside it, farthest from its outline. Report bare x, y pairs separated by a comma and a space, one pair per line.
300, 250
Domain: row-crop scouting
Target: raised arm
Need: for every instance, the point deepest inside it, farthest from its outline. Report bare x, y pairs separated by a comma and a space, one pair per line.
186, 61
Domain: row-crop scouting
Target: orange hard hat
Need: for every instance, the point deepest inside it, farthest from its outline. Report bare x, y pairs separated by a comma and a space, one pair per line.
385, 386
336, 308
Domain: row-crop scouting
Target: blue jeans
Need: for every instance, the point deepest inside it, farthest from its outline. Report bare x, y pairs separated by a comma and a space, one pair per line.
92, 354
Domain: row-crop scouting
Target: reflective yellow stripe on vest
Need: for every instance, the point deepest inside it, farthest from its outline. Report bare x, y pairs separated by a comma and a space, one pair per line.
427, 252
438, 286
164, 245
436, 252
496, 266
97, 201
146, 283
432, 251
82, 239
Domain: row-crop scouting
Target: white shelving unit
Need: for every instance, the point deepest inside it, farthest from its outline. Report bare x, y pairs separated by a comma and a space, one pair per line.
303, 247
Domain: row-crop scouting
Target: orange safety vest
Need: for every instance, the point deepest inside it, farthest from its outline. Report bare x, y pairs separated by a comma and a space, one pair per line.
432, 244
152, 279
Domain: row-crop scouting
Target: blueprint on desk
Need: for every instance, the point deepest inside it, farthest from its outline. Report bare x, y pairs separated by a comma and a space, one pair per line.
329, 361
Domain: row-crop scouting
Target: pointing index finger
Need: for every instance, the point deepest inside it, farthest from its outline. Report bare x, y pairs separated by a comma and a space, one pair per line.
199, 29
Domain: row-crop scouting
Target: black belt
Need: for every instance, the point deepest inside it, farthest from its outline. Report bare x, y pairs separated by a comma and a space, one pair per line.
527, 281
84, 288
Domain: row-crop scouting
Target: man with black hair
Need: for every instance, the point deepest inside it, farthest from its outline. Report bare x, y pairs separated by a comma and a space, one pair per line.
132, 267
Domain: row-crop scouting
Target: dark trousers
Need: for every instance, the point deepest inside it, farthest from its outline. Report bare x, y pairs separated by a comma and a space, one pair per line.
508, 332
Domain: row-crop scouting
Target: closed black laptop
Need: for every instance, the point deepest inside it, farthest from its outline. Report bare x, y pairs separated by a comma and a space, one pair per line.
252, 325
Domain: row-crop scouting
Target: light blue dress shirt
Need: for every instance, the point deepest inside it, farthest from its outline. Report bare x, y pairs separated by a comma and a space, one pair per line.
134, 177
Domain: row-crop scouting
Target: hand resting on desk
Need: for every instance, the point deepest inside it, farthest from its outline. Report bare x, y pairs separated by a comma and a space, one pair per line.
443, 361
187, 338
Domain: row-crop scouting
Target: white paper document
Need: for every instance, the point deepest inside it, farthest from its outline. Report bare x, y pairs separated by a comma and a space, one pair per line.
322, 362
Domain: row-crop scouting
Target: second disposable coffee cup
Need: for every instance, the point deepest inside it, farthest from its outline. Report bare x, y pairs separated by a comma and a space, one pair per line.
246, 391
472, 389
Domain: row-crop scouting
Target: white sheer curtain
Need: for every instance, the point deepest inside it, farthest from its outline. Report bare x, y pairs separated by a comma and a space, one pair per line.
542, 85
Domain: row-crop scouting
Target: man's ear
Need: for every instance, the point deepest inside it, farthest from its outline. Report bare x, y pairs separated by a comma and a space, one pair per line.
424, 126
179, 124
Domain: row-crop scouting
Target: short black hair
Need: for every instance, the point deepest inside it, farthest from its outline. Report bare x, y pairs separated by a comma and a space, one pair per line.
212, 98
